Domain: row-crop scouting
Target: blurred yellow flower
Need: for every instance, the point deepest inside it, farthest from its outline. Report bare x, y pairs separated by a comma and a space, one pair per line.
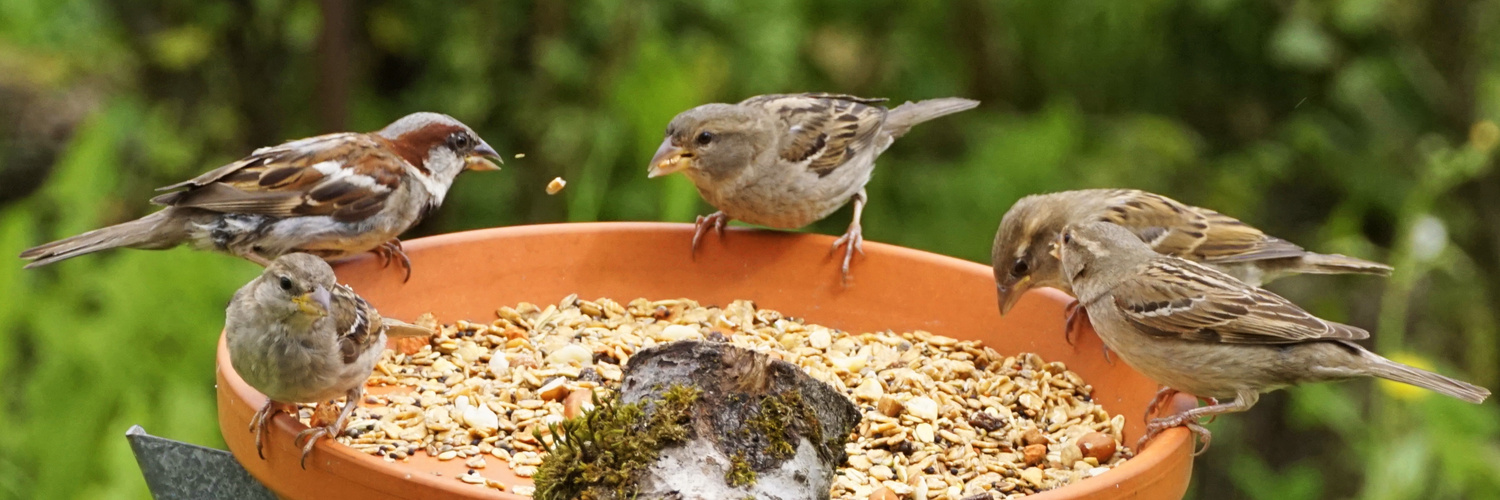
1402, 391
1484, 135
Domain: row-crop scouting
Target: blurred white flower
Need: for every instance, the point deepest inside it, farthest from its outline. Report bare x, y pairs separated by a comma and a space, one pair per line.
1429, 236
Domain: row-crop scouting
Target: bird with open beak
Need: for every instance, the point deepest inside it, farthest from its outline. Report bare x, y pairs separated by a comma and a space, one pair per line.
788, 160
333, 196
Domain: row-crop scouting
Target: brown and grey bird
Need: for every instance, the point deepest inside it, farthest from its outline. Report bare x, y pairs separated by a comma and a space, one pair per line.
333, 196
1195, 329
298, 336
788, 160
1022, 261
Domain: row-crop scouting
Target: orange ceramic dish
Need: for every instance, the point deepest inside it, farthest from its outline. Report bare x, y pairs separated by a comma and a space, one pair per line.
468, 275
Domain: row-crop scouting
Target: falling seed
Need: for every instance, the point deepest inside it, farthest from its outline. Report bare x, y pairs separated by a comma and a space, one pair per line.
556, 185
520, 155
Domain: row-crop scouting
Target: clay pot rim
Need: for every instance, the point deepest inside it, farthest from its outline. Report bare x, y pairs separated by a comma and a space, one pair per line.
1168, 450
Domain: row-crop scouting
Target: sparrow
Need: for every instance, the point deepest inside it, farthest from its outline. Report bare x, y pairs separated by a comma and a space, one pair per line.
1199, 330
298, 336
787, 160
1021, 253
332, 196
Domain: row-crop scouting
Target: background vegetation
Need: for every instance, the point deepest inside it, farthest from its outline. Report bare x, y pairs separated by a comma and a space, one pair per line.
1353, 126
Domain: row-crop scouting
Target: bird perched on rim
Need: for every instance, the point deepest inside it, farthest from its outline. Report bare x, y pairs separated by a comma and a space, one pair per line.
333, 196
1198, 330
298, 336
1022, 260
788, 160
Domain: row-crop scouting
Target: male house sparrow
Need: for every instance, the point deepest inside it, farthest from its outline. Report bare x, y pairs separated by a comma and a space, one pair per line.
298, 336
1198, 330
787, 160
1022, 261
332, 195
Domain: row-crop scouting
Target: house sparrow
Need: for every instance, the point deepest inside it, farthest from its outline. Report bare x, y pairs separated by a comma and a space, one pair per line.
787, 160
298, 336
1021, 257
1198, 330
332, 196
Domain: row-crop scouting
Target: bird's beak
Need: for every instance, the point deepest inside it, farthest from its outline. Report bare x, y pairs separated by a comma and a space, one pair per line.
316, 302
669, 159
1055, 250
480, 158
1010, 294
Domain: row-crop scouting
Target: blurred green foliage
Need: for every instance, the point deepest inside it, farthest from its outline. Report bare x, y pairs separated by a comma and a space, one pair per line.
1362, 127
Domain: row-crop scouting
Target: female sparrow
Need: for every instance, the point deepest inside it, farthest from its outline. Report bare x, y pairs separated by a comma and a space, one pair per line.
1198, 330
298, 336
332, 196
1022, 261
787, 160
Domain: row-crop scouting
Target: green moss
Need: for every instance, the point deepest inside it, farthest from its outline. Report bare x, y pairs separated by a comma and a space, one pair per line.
601, 454
740, 473
782, 419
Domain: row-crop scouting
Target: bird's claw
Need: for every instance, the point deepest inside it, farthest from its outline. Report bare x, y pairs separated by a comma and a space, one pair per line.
390, 252
311, 435
261, 422
714, 221
852, 241
1159, 425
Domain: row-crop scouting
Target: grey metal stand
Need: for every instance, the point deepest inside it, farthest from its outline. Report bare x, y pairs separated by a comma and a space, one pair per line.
177, 470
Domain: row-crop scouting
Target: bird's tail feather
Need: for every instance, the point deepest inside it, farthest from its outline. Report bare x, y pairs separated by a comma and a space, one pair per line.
1317, 263
155, 231
903, 117
395, 328
1391, 370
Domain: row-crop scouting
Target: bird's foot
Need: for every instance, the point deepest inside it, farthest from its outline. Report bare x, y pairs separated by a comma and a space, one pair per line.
311, 435
261, 422
1070, 320
391, 252
1159, 425
853, 240
714, 221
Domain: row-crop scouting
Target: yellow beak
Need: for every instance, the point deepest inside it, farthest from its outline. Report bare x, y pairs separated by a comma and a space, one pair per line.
669, 159
1009, 295
315, 303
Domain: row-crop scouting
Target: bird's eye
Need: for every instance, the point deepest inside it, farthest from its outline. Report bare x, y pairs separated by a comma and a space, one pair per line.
286, 283
1020, 268
460, 141
704, 138
1067, 238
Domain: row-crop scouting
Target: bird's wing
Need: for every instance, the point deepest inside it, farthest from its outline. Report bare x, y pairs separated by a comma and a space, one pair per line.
346, 176
1174, 228
824, 131
1179, 298
357, 323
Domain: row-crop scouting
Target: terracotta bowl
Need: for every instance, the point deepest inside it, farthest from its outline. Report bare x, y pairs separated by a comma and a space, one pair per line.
468, 275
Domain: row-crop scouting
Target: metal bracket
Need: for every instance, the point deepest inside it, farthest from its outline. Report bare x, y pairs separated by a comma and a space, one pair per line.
177, 470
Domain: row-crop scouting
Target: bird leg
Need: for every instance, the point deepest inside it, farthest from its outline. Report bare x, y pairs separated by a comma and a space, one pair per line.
853, 239
391, 251
1075, 316
1165, 395
1070, 324
714, 221
1243, 401
262, 421
312, 434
